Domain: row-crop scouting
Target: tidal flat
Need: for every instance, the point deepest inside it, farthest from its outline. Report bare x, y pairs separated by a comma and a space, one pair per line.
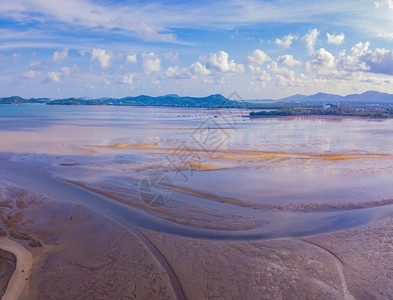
268, 208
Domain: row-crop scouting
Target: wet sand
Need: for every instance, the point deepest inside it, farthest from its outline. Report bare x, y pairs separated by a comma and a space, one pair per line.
98, 257
232, 231
351, 264
77, 253
24, 261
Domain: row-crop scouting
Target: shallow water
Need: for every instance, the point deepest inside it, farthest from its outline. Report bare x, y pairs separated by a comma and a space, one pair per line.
225, 168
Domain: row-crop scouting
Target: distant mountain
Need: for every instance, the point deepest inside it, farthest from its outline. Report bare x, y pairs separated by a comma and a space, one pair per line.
20, 100
297, 97
144, 100
324, 97
211, 101
369, 97
171, 95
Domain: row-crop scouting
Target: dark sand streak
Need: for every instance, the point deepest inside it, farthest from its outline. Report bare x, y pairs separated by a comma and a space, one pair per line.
296, 224
164, 263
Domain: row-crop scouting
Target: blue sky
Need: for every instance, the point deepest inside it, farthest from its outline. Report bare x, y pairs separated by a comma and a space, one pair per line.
260, 49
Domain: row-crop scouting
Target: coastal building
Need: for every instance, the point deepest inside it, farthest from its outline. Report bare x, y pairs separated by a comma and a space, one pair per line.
331, 105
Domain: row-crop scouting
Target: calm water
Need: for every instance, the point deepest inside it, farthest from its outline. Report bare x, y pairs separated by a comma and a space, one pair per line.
212, 157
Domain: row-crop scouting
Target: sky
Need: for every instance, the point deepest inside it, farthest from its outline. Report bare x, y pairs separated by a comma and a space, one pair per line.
260, 49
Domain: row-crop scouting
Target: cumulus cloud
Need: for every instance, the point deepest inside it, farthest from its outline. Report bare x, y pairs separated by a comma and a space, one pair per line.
176, 72
151, 63
128, 79
379, 61
260, 74
60, 55
199, 69
220, 63
258, 57
323, 58
54, 76
30, 74
311, 38
288, 60
284, 77
171, 57
324, 63
193, 71
131, 59
104, 57
335, 39
286, 41
354, 61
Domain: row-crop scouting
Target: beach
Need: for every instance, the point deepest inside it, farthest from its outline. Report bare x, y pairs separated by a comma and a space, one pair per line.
24, 261
281, 209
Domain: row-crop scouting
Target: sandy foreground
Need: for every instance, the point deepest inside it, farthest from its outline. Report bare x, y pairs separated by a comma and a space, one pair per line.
24, 261
77, 253
352, 264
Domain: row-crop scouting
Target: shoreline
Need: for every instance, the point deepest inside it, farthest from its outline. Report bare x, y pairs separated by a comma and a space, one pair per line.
41, 182
24, 261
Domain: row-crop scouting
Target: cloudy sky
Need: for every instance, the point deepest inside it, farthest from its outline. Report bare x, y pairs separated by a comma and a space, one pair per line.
261, 49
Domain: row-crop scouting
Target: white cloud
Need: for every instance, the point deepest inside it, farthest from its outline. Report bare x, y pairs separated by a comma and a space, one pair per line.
128, 79
54, 76
311, 38
335, 39
199, 69
30, 74
35, 65
258, 57
288, 60
384, 3
324, 63
151, 63
131, 59
354, 62
66, 71
379, 61
307, 67
60, 55
386, 35
261, 75
176, 72
154, 20
193, 71
171, 57
104, 57
286, 41
323, 58
220, 63
284, 77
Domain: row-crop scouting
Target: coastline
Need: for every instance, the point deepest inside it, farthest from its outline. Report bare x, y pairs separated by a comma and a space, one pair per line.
24, 262
323, 264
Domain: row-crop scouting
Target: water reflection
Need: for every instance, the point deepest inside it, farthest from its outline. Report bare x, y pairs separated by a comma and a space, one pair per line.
287, 163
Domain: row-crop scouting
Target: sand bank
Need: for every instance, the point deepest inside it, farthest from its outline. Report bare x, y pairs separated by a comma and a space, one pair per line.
351, 264
24, 261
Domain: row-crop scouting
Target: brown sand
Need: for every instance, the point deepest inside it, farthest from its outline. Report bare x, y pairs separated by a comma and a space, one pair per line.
7, 268
81, 254
24, 261
78, 254
351, 264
